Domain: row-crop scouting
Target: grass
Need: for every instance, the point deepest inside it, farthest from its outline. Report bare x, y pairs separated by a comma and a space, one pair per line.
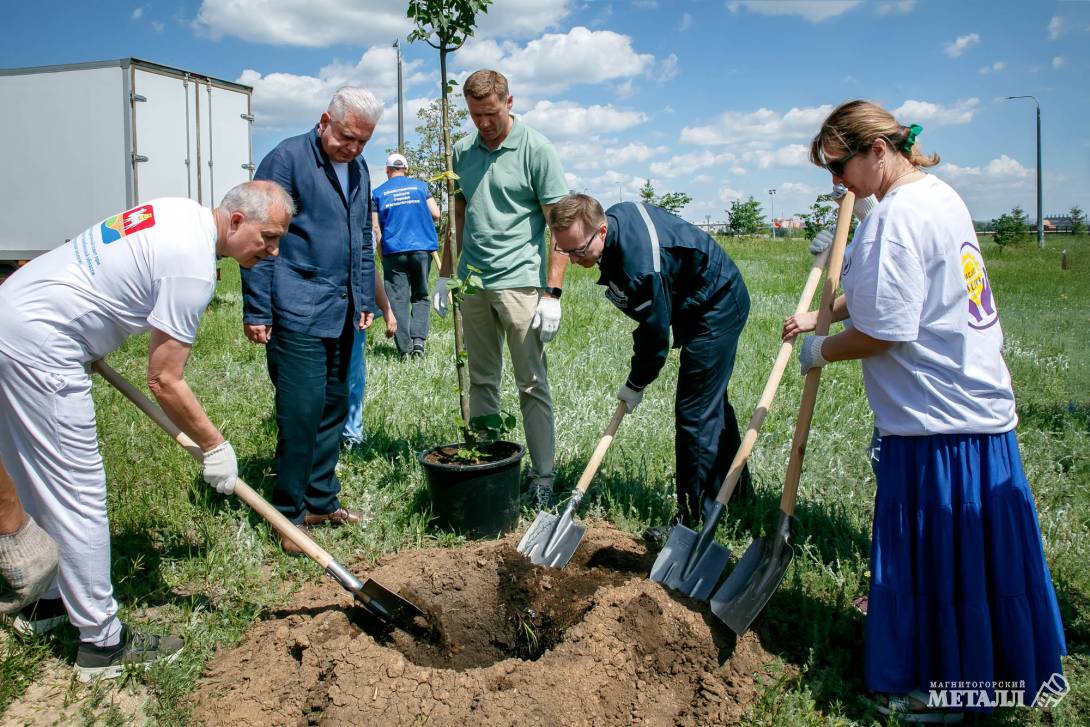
189, 561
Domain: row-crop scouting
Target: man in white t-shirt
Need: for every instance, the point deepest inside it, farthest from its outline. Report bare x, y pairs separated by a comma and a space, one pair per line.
151, 268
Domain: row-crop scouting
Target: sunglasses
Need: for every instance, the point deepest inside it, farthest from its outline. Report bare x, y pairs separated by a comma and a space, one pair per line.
836, 166
579, 251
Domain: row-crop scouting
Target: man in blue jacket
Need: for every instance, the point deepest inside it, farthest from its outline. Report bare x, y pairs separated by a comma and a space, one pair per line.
307, 303
664, 273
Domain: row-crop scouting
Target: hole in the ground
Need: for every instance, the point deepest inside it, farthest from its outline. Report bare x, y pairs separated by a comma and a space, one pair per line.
505, 607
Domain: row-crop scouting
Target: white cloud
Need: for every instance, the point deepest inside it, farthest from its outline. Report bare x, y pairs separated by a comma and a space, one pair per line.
895, 7
957, 47
626, 89
311, 24
556, 61
157, 26
286, 101
666, 69
798, 188
685, 164
914, 112
813, 10
137, 13
991, 186
1058, 62
520, 18
762, 127
685, 23
792, 155
993, 68
568, 119
1055, 27
728, 194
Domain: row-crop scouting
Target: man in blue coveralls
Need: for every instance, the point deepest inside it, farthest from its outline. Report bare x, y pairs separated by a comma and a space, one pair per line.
663, 272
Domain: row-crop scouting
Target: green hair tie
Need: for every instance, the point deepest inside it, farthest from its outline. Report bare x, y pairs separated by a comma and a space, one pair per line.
910, 138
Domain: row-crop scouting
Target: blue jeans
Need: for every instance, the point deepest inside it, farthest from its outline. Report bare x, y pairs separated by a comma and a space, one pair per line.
309, 375
357, 389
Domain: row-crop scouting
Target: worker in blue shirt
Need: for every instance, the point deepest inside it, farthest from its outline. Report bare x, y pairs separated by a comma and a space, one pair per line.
665, 273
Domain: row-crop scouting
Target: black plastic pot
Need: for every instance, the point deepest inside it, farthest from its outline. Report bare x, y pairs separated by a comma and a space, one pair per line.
479, 500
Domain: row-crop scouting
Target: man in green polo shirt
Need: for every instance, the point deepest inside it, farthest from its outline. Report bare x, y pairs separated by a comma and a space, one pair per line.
509, 177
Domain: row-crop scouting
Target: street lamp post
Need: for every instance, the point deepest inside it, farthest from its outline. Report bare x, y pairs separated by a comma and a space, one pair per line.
400, 103
1040, 211
772, 213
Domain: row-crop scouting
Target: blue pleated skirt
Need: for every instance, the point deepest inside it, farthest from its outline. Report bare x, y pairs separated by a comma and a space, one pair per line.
960, 591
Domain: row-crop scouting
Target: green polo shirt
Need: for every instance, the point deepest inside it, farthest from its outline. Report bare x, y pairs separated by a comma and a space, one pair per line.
504, 189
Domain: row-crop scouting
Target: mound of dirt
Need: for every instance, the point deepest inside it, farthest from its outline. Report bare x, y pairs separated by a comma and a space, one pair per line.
514, 644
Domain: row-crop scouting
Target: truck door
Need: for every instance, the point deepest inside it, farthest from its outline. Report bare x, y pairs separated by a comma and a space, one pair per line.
161, 136
225, 141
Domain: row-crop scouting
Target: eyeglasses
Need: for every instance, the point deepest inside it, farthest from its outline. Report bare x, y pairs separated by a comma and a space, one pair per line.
579, 251
836, 166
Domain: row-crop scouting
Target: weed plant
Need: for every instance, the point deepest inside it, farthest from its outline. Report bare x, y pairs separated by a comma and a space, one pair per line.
190, 561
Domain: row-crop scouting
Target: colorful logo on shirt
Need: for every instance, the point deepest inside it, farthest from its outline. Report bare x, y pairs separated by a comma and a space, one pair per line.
126, 223
982, 310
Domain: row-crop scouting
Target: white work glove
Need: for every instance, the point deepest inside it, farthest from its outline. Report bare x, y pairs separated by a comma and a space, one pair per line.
28, 563
810, 353
862, 206
221, 468
630, 397
821, 241
546, 318
440, 297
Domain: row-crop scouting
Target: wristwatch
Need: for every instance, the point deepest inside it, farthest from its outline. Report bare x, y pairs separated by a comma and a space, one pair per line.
553, 292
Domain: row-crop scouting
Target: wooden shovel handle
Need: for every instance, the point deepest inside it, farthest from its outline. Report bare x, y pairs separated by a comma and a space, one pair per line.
600, 451
813, 376
771, 386
271, 515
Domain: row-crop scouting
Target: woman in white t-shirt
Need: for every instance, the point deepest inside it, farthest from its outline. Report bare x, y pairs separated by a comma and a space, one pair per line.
960, 590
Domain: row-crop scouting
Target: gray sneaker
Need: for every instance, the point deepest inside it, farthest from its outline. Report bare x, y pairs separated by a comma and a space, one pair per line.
136, 650
40, 617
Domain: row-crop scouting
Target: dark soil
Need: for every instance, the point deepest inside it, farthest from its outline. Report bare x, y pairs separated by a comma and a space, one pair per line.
454, 454
513, 644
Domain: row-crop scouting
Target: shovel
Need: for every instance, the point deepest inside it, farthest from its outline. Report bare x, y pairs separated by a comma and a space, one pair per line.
552, 540
691, 562
376, 599
757, 576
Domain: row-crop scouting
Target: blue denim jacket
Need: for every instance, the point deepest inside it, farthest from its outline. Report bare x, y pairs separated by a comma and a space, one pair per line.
327, 259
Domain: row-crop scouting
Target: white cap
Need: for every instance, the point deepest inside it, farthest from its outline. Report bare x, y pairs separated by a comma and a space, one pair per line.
396, 161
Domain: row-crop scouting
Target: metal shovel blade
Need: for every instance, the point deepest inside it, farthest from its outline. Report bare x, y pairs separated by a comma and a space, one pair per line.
389, 606
552, 541
669, 567
745, 593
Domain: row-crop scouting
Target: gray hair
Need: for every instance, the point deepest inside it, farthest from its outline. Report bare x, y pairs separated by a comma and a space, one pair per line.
260, 200
357, 100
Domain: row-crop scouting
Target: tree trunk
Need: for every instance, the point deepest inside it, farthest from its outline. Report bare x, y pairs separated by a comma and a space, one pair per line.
452, 244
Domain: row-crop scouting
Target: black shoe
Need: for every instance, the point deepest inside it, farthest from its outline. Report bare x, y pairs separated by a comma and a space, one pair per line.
135, 651
39, 617
658, 535
541, 496
418, 348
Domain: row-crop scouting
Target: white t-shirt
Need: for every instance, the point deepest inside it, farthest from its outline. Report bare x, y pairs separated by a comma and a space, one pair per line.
914, 274
151, 266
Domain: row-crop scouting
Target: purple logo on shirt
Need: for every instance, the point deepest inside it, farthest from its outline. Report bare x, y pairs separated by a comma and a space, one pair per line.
982, 310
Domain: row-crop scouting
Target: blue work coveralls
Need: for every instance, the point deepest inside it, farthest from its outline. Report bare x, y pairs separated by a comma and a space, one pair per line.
663, 273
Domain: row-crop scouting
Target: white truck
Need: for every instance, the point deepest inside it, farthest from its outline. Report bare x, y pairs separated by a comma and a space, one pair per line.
85, 141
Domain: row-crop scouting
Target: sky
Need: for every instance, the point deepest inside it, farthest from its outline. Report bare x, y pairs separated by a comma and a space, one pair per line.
716, 99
